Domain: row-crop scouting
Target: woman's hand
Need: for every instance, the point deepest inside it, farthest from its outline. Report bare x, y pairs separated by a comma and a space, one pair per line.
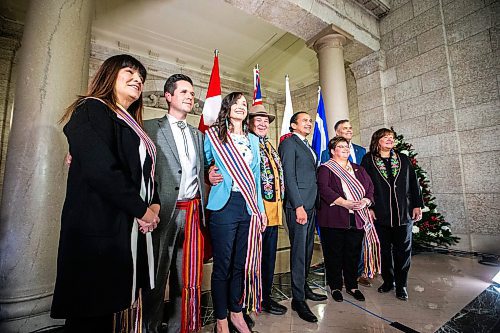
67, 159
150, 219
350, 204
145, 227
417, 214
213, 176
372, 214
263, 223
155, 208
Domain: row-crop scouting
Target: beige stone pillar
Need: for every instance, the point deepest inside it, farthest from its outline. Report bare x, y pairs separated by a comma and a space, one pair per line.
52, 70
328, 45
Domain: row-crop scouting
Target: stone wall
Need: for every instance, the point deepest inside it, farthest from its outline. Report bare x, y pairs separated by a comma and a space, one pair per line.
435, 80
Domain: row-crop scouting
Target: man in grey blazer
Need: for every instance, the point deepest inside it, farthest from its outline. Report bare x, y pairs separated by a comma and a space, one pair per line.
180, 178
299, 169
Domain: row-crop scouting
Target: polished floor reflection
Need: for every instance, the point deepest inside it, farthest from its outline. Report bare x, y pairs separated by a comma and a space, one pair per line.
440, 287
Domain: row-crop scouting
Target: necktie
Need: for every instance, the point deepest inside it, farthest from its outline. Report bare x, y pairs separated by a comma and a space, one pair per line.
182, 126
350, 158
306, 142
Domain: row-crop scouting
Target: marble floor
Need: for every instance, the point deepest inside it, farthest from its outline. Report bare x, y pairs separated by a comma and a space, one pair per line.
441, 288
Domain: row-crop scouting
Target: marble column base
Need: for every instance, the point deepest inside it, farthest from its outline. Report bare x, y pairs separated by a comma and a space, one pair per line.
29, 323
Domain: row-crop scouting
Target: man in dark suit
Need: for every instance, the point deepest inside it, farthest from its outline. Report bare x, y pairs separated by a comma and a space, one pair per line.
343, 128
299, 168
180, 178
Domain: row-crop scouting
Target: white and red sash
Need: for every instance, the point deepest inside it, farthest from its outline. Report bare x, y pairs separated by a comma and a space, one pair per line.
372, 245
240, 172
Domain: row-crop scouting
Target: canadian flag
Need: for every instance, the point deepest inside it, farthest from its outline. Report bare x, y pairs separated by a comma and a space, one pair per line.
213, 99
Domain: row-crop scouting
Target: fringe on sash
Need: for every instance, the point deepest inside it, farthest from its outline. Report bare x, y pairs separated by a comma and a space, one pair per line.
129, 320
192, 267
371, 253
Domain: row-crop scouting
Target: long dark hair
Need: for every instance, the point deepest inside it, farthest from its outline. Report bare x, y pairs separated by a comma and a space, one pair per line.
223, 121
103, 84
379, 134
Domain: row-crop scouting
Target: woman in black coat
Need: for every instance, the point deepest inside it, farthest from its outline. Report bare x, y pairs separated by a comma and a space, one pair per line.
102, 259
397, 204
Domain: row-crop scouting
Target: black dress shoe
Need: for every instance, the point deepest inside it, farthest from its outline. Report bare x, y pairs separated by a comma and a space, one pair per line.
313, 296
248, 320
337, 295
358, 295
385, 288
273, 307
402, 294
303, 311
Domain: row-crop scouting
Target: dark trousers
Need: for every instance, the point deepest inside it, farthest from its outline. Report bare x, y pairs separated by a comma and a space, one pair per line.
269, 244
229, 229
395, 248
302, 243
102, 324
168, 243
341, 248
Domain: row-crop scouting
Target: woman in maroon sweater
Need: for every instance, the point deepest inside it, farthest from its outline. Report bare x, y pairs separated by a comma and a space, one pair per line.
345, 191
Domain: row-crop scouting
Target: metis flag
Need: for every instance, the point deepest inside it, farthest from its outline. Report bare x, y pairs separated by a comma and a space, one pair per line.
257, 94
320, 136
287, 115
213, 99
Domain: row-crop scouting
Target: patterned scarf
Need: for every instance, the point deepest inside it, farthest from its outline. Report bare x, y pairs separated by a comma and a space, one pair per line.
371, 252
241, 173
268, 180
380, 164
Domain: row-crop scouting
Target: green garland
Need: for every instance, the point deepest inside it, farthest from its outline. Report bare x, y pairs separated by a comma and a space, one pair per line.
432, 229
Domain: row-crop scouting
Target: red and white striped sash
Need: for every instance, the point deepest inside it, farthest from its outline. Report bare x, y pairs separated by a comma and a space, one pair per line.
240, 172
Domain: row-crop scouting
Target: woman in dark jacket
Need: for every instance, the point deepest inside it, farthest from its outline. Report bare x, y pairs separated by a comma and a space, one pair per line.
346, 191
398, 202
102, 260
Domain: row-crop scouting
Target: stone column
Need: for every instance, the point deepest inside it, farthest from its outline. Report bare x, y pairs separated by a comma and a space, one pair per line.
52, 70
329, 48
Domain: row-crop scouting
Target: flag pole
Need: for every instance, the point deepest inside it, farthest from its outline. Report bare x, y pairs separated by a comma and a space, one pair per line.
216, 52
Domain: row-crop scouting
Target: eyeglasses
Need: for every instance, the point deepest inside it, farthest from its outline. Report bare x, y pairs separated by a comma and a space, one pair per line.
341, 147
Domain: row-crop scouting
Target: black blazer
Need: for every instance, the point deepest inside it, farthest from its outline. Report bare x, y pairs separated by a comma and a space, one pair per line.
94, 264
408, 194
299, 172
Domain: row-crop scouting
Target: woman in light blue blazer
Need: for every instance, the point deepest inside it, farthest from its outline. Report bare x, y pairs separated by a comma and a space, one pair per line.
236, 207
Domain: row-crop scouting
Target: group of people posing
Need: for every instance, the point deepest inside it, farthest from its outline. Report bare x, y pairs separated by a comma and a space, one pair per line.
146, 198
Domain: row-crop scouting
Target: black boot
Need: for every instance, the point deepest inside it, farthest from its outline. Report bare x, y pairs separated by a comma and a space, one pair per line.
303, 311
